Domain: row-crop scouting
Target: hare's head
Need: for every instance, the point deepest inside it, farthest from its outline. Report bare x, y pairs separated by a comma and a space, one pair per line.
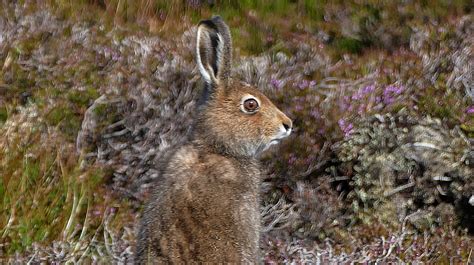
236, 117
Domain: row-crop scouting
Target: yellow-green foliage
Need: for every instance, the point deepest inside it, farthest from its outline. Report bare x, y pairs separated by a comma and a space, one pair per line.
3, 115
43, 194
271, 19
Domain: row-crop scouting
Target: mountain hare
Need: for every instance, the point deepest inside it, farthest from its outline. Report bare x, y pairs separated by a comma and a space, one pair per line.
207, 208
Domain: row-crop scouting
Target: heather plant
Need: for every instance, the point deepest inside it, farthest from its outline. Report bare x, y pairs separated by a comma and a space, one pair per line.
379, 168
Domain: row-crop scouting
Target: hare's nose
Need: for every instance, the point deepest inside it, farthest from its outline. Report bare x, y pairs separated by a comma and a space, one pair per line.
286, 122
287, 126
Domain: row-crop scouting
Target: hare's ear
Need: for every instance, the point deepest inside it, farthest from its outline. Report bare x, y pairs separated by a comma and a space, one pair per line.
214, 51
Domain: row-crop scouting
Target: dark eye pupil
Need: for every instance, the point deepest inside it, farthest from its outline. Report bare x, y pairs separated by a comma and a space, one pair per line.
250, 104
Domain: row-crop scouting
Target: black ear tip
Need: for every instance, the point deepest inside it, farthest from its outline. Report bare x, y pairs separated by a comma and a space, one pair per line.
217, 18
208, 23
213, 22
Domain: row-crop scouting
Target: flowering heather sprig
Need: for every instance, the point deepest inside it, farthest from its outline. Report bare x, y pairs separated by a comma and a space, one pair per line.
347, 128
346, 103
195, 4
470, 110
315, 113
388, 97
292, 159
276, 83
390, 92
305, 84
361, 93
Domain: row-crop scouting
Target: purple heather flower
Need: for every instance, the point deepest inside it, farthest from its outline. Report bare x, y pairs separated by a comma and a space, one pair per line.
292, 159
390, 92
276, 83
162, 15
303, 84
470, 110
344, 103
378, 100
369, 89
361, 109
194, 3
97, 212
112, 210
341, 123
314, 113
357, 96
345, 127
361, 93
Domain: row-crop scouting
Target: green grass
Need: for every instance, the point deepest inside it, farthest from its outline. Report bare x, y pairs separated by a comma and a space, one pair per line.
37, 189
83, 98
349, 45
64, 117
3, 114
260, 20
44, 195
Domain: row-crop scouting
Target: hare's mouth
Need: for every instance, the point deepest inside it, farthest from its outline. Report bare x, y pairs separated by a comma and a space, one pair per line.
275, 141
280, 136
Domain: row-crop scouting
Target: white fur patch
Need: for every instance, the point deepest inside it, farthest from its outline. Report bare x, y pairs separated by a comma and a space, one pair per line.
202, 69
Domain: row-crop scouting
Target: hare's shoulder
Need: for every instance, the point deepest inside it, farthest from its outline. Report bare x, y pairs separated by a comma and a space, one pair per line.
191, 163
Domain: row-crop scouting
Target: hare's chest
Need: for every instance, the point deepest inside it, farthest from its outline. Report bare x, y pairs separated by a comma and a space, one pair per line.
248, 211
248, 219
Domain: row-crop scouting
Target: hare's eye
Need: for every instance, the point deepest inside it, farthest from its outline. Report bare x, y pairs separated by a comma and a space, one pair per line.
250, 105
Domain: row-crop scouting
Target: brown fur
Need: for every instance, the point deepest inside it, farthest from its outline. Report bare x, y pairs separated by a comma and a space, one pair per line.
207, 209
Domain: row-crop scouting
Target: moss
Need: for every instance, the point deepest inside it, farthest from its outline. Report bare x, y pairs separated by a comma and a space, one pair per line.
107, 113
442, 103
280, 47
83, 98
67, 31
2, 189
348, 45
56, 115
22, 78
28, 45
31, 170
97, 176
468, 128
3, 114
66, 119
100, 110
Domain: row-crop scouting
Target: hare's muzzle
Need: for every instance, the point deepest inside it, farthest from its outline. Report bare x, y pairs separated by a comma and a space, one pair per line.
287, 125
284, 130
